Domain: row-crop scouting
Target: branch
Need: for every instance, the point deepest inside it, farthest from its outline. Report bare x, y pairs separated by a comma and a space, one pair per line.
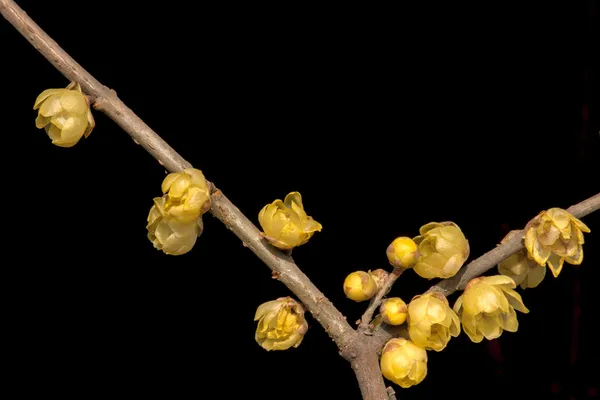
385, 289
391, 393
106, 100
484, 263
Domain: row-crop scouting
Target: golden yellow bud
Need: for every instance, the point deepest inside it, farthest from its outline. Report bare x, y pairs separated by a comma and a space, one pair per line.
487, 307
443, 249
281, 324
403, 362
169, 235
523, 270
188, 195
379, 276
431, 321
553, 237
285, 223
393, 311
402, 252
359, 286
64, 114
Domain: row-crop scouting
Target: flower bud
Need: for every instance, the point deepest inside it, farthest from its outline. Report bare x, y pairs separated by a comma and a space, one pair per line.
379, 276
359, 286
553, 237
188, 195
523, 270
402, 252
64, 114
403, 362
443, 249
285, 223
171, 236
431, 321
281, 324
487, 307
393, 311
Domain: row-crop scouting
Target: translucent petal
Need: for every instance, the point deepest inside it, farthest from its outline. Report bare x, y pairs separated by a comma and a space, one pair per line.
560, 217
424, 270
310, 225
168, 181
540, 253
499, 280
452, 266
73, 102
489, 326
41, 121
427, 227
295, 197
44, 95
515, 300
51, 106
419, 334
555, 263
549, 236
455, 325
436, 312
417, 309
427, 246
534, 277
179, 186
195, 200
580, 225
53, 132
509, 321
458, 304
197, 178
91, 124
59, 120
73, 129
470, 321
473, 334
576, 258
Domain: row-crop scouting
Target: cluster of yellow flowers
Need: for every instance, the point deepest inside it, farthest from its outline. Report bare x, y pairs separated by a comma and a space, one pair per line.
175, 219
486, 308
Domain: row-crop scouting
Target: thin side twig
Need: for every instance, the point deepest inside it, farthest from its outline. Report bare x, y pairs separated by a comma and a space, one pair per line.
391, 393
486, 262
366, 318
106, 100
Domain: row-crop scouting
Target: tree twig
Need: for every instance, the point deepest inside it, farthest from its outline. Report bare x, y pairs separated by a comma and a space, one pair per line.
391, 393
484, 263
106, 100
376, 301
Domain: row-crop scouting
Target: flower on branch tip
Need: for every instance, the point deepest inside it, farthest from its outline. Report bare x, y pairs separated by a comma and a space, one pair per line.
487, 307
64, 114
431, 321
360, 286
285, 223
187, 194
402, 252
281, 324
393, 311
170, 235
553, 237
443, 249
403, 362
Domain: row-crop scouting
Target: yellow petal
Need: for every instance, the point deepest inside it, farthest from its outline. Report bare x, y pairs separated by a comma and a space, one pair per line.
73, 129
53, 132
41, 121
90, 126
294, 197
458, 305
499, 280
427, 227
541, 253
51, 106
73, 102
44, 95
577, 258
534, 277
555, 263
168, 181
179, 186
580, 225
509, 320
489, 325
549, 236
515, 300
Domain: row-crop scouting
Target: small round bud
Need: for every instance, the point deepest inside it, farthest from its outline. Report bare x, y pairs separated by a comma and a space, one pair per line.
403, 362
402, 252
359, 286
393, 311
379, 276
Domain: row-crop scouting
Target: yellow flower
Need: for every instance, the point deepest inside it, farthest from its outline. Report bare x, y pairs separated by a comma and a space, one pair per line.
487, 307
359, 286
443, 249
555, 236
281, 324
393, 311
188, 195
431, 321
286, 224
523, 270
402, 252
403, 362
171, 236
65, 115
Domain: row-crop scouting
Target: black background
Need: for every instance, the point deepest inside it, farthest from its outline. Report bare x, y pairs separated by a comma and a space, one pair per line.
383, 118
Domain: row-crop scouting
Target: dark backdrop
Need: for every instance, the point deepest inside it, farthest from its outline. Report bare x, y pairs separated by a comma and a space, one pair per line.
383, 118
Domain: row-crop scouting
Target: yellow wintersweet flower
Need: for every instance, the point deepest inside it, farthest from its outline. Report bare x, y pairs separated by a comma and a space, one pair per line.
553, 237
188, 195
523, 270
403, 362
64, 114
171, 236
431, 321
443, 249
402, 252
393, 311
487, 307
285, 223
281, 324
360, 286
